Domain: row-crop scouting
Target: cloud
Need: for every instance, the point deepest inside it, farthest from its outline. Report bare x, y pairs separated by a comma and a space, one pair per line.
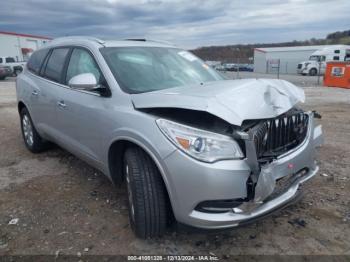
187, 23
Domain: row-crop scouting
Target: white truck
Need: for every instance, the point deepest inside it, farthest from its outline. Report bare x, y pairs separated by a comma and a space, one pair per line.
318, 60
17, 67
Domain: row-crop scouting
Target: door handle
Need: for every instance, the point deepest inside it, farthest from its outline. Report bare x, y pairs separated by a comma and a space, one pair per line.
61, 104
35, 93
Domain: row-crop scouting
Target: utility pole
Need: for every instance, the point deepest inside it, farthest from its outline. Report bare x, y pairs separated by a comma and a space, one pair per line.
319, 73
238, 55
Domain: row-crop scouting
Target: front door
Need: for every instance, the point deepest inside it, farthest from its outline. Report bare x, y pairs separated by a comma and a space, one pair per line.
80, 114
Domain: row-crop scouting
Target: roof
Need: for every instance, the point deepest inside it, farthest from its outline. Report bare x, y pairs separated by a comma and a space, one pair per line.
69, 40
24, 35
291, 48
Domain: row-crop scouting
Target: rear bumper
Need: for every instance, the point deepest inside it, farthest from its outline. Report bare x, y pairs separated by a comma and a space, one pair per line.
193, 182
5, 73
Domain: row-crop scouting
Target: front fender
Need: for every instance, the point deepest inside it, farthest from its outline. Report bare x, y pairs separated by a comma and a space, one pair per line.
157, 152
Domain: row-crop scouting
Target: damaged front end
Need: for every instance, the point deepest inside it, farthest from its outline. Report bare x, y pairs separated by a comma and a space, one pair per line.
269, 141
280, 155
277, 142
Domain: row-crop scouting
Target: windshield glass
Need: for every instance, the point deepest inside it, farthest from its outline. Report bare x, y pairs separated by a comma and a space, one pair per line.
314, 58
145, 69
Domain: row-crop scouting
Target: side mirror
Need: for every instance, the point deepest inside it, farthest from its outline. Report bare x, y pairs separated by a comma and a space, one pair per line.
85, 81
88, 82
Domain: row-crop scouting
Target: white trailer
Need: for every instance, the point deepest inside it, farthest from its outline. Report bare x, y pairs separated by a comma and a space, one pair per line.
288, 57
317, 62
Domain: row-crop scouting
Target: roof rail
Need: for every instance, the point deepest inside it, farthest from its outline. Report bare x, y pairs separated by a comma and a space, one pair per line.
149, 40
100, 41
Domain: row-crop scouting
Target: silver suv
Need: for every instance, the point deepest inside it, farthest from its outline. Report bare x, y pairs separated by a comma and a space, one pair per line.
190, 145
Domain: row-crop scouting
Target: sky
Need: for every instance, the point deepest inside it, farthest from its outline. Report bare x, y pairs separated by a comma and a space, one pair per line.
186, 23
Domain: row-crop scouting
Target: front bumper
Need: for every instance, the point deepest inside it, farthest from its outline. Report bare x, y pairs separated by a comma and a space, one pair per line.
302, 71
193, 182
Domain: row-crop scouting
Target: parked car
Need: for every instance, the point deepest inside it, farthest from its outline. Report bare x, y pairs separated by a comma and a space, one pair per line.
5, 71
16, 67
220, 68
209, 152
246, 67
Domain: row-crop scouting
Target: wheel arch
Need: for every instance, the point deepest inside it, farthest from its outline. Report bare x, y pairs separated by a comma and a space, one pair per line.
115, 157
20, 106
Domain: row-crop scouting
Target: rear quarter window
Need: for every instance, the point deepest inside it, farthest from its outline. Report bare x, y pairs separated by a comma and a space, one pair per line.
36, 60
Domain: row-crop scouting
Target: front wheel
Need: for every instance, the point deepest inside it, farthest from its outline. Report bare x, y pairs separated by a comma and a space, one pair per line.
31, 137
313, 72
147, 196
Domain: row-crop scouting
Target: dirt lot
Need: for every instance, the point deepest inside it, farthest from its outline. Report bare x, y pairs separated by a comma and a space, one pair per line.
64, 206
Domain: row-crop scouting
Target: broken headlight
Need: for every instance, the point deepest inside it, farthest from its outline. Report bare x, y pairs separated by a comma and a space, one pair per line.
200, 144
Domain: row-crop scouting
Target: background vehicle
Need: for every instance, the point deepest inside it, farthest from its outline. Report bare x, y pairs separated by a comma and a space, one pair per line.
220, 68
5, 71
188, 143
17, 67
318, 60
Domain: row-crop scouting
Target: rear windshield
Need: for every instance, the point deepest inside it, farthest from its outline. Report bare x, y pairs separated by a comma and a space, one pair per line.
145, 69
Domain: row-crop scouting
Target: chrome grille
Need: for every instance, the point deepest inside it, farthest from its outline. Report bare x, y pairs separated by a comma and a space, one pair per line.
276, 136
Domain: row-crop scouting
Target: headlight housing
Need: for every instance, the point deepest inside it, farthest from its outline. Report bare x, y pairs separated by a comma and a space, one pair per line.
200, 144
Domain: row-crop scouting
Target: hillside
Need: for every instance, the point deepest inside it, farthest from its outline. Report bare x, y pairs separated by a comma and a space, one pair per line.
233, 53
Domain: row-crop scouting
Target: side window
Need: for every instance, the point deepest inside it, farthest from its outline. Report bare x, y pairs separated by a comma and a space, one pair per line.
0, 60
10, 60
82, 62
337, 51
55, 64
36, 59
336, 58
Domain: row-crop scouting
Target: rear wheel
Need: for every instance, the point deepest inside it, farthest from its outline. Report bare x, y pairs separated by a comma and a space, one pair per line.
313, 72
31, 137
147, 196
17, 72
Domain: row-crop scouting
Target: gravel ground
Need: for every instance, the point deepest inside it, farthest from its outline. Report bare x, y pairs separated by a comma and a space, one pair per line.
64, 206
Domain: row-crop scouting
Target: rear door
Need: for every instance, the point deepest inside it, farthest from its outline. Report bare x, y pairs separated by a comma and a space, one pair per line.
49, 83
80, 114
37, 92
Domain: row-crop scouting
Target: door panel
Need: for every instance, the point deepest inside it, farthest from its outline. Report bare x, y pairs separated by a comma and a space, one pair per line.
80, 123
42, 98
80, 114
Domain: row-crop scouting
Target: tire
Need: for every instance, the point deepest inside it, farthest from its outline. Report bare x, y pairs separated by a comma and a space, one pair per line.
147, 196
313, 72
31, 137
17, 70
2, 78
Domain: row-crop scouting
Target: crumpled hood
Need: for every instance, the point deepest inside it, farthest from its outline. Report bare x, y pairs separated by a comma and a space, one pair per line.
231, 100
